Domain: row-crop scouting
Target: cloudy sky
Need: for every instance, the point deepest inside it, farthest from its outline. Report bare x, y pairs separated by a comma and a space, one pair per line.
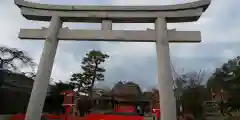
133, 61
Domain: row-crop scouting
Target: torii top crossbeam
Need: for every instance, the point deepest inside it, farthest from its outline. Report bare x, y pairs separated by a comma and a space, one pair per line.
187, 12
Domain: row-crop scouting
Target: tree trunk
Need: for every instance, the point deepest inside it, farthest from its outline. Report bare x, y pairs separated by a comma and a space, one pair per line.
93, 80
2, 76
91, 88
1, 63
2, 73
75, 110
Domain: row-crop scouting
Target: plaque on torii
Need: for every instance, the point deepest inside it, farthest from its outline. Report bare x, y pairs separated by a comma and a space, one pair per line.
160, 15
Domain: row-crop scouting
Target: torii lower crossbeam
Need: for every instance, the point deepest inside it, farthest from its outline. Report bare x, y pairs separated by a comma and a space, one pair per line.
111, 35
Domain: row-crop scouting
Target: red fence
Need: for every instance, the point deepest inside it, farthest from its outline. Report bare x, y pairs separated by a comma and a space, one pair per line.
48, 117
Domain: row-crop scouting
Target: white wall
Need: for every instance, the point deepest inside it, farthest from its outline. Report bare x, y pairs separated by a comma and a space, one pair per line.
4, 117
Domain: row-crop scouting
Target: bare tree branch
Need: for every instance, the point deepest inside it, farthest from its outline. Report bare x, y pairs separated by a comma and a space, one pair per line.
10, 56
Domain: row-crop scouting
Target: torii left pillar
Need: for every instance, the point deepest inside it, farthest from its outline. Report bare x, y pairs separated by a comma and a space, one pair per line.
44, 71
164, 72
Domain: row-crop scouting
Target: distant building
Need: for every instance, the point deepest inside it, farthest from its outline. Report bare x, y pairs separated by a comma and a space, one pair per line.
219, 94
15, 93
17, 82
127, 93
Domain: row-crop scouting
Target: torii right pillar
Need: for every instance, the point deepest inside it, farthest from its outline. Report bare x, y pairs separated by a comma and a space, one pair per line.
164, 72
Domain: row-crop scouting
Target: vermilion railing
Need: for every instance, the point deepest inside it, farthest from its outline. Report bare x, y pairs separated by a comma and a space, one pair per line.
48, 117
17, 117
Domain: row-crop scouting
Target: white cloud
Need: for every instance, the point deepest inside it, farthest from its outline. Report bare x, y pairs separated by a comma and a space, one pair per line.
144, 2
229, 54
209, 24
34, 0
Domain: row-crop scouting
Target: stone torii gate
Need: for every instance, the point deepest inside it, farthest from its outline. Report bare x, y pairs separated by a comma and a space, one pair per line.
160, 15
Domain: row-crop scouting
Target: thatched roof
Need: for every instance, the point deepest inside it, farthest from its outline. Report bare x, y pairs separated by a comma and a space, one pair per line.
17, 81
125, 92
126, 89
